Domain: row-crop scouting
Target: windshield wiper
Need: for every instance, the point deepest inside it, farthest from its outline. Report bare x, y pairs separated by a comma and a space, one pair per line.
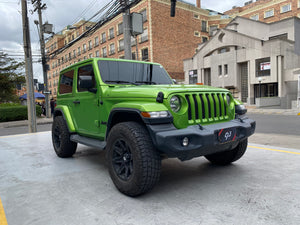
119, 82
146, 82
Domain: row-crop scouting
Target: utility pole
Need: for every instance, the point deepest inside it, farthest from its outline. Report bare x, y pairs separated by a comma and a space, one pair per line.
127, 34
39, 7
29, 72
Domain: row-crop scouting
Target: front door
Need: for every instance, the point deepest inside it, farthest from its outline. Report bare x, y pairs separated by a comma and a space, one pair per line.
86, 104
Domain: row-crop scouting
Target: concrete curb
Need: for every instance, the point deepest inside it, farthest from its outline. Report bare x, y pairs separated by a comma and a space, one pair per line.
21, 123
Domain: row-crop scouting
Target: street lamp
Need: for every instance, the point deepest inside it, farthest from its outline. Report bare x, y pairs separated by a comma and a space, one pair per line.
259, 80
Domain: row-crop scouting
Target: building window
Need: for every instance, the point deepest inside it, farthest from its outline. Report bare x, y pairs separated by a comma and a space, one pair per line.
197, 33
204, 26
84, 48
212, 29
254, 17
220, 70
145, 54
91, 55
111, 33
97, 54
263, 67
204, 39
193, 77
298, 3
120, 28
103, 38
96, 41
144, 36
223, 50
225, 69
112, 49
90, 45
104, 52
84, 57
269, 13
121, 45
79, 51
144, 13
266, 90
74, 53
285, 8
122, 57
133, 56
70, 56
72, 37
196, 16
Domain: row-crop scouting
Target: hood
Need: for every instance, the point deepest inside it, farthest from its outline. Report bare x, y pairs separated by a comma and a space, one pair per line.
151, 91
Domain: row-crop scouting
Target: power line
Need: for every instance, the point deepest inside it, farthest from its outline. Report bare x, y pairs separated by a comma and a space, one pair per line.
92, 3
115, 9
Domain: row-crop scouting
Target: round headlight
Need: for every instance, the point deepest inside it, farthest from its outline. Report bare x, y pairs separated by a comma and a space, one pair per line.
175, 104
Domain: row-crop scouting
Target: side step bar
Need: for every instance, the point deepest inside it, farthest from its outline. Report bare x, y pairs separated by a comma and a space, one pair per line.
88, 141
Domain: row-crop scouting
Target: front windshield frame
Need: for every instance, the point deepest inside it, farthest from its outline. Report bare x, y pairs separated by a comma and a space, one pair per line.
132, 73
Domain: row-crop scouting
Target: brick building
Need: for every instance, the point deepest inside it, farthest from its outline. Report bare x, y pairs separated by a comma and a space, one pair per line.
267, 11
166, 40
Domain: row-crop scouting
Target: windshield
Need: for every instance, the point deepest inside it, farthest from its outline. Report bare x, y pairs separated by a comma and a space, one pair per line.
132, 73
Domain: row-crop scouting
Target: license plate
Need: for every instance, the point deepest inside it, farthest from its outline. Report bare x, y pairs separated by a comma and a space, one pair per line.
227, 135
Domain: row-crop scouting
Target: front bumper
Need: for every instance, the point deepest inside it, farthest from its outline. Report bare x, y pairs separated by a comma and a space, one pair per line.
203, 140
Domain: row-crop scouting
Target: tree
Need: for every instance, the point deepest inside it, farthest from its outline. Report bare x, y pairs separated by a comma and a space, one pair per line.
11, 75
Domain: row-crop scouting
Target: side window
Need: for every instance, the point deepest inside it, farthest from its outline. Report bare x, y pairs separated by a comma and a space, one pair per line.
85, 72
66, 82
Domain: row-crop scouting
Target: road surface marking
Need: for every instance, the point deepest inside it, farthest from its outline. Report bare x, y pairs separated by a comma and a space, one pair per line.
2, 215
275, 150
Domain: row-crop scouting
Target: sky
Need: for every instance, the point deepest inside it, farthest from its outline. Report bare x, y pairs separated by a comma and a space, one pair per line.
60, 13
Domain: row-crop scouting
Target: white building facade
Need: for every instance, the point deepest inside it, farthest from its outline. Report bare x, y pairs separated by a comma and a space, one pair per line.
258, 62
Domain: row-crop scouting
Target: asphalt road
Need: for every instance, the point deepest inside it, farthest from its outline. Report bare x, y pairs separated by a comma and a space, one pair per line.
23, 129
276, 124
270, 124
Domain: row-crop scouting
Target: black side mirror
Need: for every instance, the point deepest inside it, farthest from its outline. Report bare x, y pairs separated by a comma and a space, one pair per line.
87, 82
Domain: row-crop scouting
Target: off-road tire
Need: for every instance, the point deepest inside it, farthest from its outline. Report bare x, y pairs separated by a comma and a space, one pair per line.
130, 142
62, 144
225, 158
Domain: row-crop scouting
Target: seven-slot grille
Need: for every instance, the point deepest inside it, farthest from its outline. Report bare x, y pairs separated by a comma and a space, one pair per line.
206, 107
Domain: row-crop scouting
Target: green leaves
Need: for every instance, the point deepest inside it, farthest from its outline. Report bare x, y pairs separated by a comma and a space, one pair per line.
11, 74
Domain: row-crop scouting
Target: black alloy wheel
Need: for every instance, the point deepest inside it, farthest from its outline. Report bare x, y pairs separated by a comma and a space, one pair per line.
62, 144
122, 160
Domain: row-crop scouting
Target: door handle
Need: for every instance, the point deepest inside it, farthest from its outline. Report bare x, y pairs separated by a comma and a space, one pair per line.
76, 102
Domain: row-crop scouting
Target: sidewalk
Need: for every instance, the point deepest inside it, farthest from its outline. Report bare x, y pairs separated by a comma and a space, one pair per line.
286, 112
21, 123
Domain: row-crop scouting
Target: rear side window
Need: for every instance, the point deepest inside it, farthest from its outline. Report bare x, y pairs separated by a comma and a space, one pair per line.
66, 82
85, 71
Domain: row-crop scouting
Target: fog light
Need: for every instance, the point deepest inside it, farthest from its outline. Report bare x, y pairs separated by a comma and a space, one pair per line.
185, 142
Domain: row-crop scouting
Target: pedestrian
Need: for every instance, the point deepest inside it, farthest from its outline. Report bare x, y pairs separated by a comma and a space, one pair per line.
52, 105
43, 109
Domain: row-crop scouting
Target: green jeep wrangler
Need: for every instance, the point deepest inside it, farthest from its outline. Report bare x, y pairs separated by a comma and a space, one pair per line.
135, 112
